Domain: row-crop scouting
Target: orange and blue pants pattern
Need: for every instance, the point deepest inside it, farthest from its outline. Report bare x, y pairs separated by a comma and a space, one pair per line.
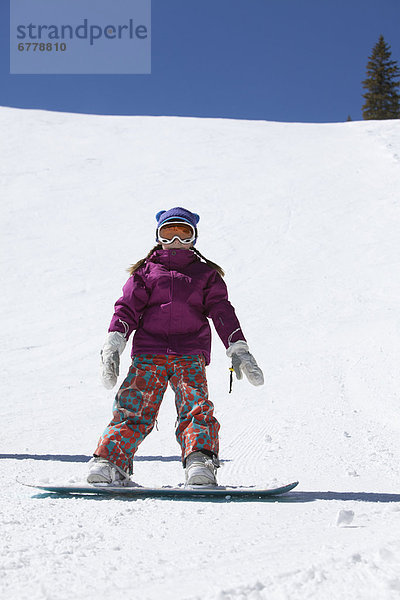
138, 401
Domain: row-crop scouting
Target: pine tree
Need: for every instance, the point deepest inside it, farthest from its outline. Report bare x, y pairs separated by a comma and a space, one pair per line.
382, 100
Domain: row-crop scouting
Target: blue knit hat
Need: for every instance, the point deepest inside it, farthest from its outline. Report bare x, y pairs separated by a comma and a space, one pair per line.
178, 214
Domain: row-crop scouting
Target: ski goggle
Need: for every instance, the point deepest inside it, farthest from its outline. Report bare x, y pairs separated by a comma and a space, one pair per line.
169, 232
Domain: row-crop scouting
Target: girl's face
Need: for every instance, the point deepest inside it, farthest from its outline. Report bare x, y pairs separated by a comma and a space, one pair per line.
177, 245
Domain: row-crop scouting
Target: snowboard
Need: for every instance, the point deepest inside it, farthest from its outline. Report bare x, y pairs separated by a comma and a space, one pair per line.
136, 491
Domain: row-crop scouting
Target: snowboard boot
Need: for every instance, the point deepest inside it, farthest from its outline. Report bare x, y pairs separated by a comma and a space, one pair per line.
200, 469
103, 471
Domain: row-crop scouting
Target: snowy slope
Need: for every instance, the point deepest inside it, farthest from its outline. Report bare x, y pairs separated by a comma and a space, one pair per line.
305, 220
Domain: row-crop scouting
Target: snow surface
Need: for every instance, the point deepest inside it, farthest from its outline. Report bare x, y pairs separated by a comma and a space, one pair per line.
305, 220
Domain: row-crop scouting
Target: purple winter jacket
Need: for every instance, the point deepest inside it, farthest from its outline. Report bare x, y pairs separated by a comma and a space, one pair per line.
168, 299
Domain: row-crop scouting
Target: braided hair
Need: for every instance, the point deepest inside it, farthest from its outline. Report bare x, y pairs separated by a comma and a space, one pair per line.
210, 263
141, 262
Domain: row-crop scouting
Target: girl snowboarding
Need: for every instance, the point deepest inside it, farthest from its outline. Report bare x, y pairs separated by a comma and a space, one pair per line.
167, 301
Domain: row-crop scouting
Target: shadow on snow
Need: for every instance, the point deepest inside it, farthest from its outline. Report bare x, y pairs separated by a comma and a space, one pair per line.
289, 498
345, 496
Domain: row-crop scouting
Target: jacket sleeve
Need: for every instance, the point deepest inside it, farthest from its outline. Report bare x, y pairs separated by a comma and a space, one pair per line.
129, 308
220, 310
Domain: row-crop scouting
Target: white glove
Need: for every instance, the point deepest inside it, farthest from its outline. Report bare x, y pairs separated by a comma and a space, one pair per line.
112, 350
243, 361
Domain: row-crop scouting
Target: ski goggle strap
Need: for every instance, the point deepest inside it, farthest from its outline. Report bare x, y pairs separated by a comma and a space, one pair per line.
170, 231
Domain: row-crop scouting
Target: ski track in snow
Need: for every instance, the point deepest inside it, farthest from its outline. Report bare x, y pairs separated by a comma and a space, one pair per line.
305, 220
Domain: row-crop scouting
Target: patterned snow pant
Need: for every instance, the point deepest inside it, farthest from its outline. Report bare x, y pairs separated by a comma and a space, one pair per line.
138, 401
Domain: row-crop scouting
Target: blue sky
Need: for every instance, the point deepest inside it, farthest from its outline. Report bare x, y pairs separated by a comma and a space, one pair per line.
278, 60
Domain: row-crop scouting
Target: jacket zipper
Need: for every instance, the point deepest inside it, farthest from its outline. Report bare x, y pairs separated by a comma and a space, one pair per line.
170, 310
